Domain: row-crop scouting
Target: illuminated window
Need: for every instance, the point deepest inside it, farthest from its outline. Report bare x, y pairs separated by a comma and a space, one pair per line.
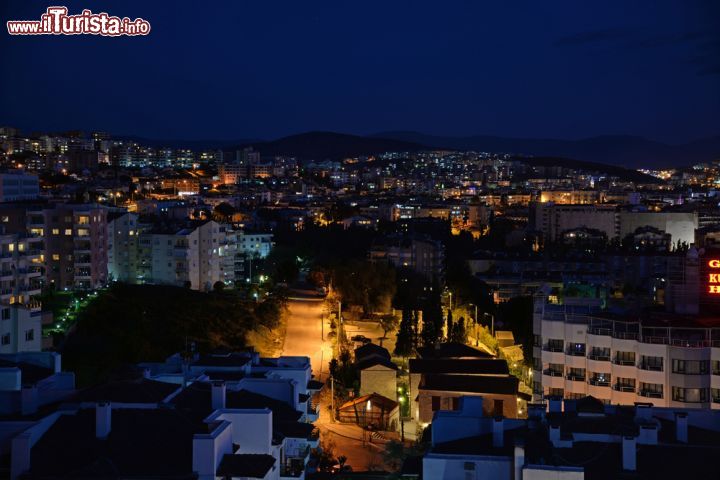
56, 231
68, 231
56, 257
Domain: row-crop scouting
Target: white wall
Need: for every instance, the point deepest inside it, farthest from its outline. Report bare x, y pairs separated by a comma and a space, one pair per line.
453, 467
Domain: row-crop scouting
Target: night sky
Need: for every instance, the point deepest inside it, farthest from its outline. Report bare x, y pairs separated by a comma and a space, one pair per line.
263, 69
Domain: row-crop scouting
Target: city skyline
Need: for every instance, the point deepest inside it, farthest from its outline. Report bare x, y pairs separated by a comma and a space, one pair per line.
233, 72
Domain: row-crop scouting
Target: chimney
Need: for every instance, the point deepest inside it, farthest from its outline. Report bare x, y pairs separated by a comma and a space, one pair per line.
217, 395
519, 460
555, 405
648, 435
20, 455
28, 399
629, 453
498, 437
103, 420
681, 427
57, 362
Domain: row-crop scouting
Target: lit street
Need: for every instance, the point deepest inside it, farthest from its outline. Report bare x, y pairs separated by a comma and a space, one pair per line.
303, 337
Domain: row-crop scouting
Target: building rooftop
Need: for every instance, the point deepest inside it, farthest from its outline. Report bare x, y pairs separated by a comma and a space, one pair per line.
500, 384
245, 465
195, 400
141, 390
30, 373
472, 366
451, 350
145, 443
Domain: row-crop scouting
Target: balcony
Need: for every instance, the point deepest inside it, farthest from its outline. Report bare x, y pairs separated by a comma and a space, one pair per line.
599, 357
552, 373
625, 363
606, 332
575, 352
653, 367
575, 378
650, 394
552, 348
624, 388
599, 383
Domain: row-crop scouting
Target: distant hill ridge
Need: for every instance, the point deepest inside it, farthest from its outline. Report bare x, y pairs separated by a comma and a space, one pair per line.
618, 150
621, 150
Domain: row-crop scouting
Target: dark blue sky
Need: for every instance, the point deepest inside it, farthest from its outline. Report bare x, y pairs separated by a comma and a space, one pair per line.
264, 68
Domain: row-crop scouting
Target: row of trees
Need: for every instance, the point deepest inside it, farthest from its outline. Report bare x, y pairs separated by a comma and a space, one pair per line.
127, 324
410, 335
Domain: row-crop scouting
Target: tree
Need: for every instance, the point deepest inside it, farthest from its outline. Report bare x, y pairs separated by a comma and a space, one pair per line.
345, 357
432, 317
218, 286
370, 285
334, 367
287, 271
394, 454
449, 327
459, 333
387, 323
429, 334
415, 327
224, 212
404, 343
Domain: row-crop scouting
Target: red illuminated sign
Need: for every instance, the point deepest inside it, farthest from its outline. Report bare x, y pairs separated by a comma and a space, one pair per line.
714, 278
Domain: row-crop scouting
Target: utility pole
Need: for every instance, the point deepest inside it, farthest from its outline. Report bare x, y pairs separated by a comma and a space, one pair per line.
332, 397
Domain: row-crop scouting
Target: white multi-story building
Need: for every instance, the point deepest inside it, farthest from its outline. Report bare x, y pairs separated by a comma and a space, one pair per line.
197, 256
668, 360
20, 282
257, 245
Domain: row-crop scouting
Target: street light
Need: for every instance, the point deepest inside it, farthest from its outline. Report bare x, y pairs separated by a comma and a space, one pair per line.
492, 318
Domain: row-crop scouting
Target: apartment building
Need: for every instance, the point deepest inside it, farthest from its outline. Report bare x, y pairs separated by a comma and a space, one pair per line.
74, 238
419, 253
75, 245
17, 185
196, 254
254, 244
553, 219
666, 359
192, 255
572, 440
123, 252
20, 283
573, 197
